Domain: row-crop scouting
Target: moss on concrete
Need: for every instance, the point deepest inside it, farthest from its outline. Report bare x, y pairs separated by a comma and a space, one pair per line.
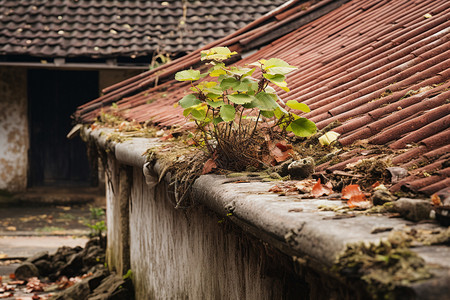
386, 267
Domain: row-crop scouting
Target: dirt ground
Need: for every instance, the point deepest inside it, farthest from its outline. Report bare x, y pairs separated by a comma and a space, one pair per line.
54, 220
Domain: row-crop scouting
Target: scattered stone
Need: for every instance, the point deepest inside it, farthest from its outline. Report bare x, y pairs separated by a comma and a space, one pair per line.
26, 270
301, 169
73, 266
113, 287
44, 266
38, 256
94, 254
282, 169
78, 291
382, 196
79, 272
396, 174
413, 209
84, 288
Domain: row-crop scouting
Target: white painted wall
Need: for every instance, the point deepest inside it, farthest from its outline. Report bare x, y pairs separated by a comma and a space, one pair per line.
13, 129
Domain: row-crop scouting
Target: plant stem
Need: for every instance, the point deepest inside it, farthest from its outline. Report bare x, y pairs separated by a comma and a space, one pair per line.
256, 124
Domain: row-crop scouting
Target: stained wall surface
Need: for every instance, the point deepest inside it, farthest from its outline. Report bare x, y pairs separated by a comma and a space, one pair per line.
177, 254
113, 248
192, 254
13, 129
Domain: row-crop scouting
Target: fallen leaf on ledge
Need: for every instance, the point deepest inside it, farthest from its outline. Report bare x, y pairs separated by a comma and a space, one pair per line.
351, 190
305, 186
319, 190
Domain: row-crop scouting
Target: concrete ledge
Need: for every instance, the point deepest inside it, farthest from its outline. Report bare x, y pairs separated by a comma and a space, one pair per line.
295, 226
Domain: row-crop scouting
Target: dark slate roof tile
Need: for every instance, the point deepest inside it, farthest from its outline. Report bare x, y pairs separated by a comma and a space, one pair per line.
113, 25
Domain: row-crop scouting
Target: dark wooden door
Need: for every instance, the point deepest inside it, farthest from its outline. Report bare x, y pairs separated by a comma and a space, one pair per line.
53, 95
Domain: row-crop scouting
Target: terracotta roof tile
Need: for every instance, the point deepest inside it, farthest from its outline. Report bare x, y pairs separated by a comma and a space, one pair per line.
65, 28
381, 68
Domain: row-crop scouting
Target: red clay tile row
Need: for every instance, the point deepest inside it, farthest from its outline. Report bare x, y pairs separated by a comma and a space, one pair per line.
381, 68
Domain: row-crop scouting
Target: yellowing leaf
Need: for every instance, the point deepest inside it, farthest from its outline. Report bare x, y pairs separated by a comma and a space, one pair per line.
328, 138
294, 104
227, 112
217, 73
187, 75
240, 98
217, 53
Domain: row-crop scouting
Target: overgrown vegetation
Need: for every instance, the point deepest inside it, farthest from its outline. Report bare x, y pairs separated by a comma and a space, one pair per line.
96, 223
238, 116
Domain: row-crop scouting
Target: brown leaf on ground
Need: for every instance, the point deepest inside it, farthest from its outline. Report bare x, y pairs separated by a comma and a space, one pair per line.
319, 190
280, 151
436, 200
305, 186
351, 190
284, 188
359, 201
6, 295
355, 197
276, 189
34, 285
209, 165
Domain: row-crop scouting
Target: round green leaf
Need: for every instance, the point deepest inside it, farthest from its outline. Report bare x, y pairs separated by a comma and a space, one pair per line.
281, 70
240, 98
267, 114
187, 75
265, 101
217, 120
294, 104
247, 85
229, 82
198, 114
274, 62
303, 127
187, 111
278, 80
227, 112
215, 104
189, 101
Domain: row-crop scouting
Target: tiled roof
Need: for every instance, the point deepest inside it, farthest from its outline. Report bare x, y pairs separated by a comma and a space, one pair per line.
69, 28
380, 69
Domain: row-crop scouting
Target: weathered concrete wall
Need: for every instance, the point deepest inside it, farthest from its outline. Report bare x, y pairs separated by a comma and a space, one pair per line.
240, 241
13, 129
113, 249
193, 254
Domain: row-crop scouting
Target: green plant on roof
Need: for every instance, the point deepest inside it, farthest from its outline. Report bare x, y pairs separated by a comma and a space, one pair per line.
237, 114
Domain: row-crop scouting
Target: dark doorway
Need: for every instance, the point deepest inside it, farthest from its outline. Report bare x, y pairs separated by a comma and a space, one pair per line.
53, 95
